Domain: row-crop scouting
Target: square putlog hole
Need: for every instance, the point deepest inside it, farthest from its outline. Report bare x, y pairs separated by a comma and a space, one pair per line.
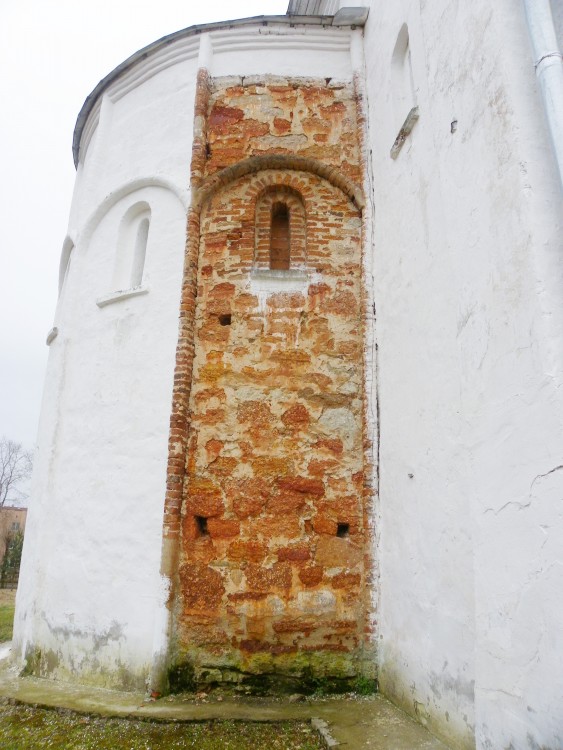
201, 522
343, 530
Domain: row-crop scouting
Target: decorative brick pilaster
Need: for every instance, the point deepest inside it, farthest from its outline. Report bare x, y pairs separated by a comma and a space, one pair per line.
179, 425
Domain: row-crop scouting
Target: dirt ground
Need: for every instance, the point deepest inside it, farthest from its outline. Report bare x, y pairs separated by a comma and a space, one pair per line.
31, 728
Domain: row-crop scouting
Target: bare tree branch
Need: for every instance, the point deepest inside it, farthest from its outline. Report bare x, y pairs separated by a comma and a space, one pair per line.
15, 468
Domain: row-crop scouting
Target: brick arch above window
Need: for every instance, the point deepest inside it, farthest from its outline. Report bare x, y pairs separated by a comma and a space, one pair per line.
275, 163
268, 209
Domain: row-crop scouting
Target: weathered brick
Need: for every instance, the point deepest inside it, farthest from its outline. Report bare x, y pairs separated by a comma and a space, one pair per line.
247, 551
265, 368
286, 502
264, 580
311, 575
202, 587
256, 412
296, 416
345, 581
306, 485
248, 496
295, 553
324, 524
223, 528
334, 552
334, 445
278, 526
204, 498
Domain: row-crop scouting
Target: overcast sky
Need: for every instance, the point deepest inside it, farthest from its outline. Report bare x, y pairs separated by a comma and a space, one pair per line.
52, 54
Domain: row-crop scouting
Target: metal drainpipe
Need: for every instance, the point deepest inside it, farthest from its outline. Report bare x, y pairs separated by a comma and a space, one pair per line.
549, 70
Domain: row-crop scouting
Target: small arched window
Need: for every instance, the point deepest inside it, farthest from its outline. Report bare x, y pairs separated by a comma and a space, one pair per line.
132, 247
64, 267
281, 230
279, 237
139, 252
404, 97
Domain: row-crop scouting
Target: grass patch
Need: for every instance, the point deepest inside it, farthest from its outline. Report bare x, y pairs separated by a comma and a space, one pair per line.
365, 686
6, 622
26, 728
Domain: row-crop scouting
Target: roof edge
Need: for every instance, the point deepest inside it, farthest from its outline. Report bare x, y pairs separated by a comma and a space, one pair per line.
164, 41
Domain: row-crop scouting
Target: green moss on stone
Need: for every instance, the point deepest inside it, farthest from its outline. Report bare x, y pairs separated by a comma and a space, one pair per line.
181, 678
317, 672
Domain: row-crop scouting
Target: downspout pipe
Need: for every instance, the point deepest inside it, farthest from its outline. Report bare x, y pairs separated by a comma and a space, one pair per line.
549, 70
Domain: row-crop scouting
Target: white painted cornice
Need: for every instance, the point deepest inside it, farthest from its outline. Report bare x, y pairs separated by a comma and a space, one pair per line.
248, 34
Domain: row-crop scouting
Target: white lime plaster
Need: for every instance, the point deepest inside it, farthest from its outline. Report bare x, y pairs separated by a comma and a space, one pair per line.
467, 242
121, 294
91, 594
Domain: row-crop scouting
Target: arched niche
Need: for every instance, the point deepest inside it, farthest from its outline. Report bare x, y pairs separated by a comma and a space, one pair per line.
280, 230
131, 247
64, 265
404, 98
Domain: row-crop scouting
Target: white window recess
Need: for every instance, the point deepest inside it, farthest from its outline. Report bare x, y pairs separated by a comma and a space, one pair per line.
128, 274
405, 108
64, 265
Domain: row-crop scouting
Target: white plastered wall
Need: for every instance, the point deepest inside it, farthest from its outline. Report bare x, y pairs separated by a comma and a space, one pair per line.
90, 584
468, 281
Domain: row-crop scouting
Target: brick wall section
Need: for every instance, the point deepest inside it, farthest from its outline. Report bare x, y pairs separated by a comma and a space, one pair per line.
266, 116
275, 465
177, 441
371, 410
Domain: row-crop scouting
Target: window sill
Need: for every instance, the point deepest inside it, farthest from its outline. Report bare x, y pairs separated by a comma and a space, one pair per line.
121, 294
266, 280
52, 335
404, 132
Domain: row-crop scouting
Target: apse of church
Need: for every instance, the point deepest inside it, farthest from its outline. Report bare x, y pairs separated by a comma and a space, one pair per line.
272, 559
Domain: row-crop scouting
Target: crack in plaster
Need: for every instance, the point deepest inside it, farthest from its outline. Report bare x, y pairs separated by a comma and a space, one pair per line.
527, 504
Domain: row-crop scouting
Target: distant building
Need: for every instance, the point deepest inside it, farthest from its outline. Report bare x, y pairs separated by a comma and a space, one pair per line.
12, 520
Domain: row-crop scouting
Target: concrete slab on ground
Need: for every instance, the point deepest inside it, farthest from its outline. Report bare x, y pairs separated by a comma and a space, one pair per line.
370, 723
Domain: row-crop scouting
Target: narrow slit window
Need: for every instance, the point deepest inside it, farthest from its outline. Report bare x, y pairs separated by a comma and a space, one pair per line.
64, 267
404, 97
279, 238
131, 248
139, 253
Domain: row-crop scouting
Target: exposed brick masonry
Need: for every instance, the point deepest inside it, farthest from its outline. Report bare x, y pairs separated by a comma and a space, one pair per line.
272, 556
185, 349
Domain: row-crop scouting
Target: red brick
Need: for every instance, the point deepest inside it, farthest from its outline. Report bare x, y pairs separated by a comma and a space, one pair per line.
305, 485
247, 551
256, 412
248, 496
334, 445
345, 581
204, 499
202, 587
286, 501
324, 524
311, 575
296, 416
223, 528
294, 553
266, 580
